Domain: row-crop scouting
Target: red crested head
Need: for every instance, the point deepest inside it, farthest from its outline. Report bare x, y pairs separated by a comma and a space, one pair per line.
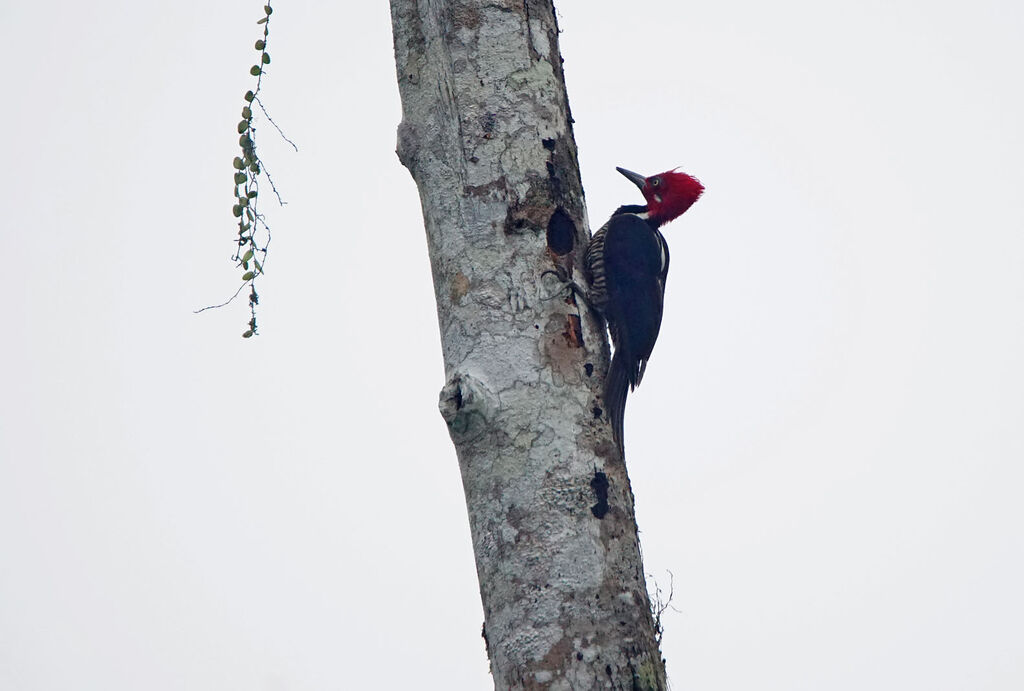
668, 194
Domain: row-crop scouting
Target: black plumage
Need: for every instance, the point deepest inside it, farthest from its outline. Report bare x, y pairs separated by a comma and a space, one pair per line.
626, 266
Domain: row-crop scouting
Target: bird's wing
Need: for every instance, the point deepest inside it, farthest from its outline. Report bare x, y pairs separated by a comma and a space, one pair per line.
635, 265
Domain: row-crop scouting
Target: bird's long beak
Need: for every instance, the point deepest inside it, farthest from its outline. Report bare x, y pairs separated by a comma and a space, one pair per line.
636, 178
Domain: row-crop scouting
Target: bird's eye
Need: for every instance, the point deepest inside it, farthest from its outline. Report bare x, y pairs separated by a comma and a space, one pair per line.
655, 182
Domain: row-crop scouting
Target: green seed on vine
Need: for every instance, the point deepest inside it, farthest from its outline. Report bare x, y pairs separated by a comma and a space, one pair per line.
248, 276
237, 209
249, 96
255, 70
261, 44
266, 58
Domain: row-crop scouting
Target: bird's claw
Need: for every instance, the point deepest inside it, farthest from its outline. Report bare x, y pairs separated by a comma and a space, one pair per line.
575, 288
563, 283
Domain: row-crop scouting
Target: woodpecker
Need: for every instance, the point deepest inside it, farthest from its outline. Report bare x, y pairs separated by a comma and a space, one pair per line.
625, 265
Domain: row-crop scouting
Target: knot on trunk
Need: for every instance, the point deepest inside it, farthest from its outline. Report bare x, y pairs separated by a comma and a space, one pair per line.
466, 404
408, 147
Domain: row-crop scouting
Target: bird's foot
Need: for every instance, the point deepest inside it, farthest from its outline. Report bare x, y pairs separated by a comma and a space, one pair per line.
561, 283
564, 283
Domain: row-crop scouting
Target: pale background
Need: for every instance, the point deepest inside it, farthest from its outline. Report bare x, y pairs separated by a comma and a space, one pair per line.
826, 451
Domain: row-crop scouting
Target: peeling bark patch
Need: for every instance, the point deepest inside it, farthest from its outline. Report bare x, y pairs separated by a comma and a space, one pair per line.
555, 658
493, 190
548, 144
533, 209
465, 16
597, 412
526, 217
600, 486
460, 286
589, 369
561, 232
573, 331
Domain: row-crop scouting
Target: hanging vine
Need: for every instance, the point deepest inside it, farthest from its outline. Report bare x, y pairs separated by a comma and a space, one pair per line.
253, 239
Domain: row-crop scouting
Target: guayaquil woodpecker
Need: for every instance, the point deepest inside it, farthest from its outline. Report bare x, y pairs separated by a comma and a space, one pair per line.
626, 264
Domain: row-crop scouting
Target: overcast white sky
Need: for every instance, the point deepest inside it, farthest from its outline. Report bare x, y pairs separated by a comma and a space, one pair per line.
826, 451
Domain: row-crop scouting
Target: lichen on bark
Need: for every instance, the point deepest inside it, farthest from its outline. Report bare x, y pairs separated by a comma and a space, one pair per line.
486, 133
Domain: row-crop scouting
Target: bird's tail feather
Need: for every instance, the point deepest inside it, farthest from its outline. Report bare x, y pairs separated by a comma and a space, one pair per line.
616, 386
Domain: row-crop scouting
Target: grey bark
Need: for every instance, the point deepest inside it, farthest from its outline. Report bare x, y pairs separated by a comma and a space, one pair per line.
487, 135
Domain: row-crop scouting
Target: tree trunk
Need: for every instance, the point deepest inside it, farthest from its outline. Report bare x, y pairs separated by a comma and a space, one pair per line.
487, 135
